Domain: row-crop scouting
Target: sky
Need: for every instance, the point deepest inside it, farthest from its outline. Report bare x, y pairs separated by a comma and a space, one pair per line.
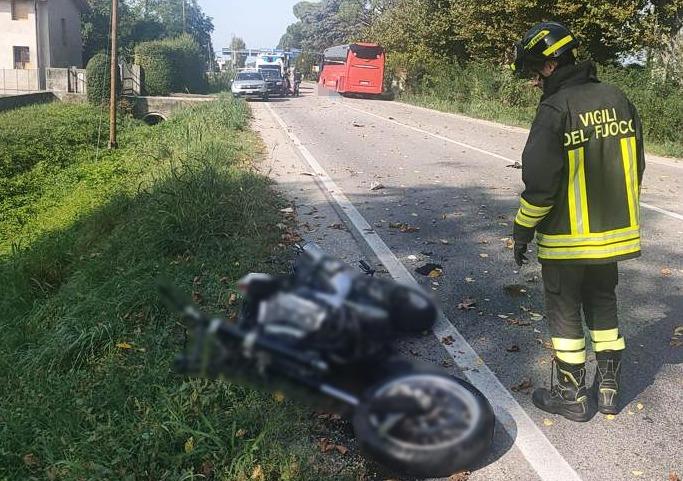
260, 23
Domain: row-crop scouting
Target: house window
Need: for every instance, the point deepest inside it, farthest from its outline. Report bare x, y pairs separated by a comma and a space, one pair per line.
20, 9
63, 24
22, 59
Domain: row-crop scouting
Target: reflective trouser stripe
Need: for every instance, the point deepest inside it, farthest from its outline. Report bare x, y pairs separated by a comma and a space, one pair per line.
571, 357
576, 192
563, 344
572, 351
628, 156
607, 340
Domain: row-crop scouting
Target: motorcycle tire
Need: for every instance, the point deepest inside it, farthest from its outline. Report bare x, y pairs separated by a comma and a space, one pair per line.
416, 447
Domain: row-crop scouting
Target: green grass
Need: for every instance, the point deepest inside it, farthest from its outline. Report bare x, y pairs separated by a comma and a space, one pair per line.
488, 93
84, 237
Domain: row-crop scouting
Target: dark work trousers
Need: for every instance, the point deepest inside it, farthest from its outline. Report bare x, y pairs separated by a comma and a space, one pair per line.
571, 289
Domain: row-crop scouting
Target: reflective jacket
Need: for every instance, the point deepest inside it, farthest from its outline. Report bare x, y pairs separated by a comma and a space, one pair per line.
582, 167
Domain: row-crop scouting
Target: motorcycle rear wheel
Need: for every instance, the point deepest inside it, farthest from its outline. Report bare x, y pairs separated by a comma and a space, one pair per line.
452, 435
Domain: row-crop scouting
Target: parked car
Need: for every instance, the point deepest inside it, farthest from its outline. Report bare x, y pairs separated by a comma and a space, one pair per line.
275, 82
250, 84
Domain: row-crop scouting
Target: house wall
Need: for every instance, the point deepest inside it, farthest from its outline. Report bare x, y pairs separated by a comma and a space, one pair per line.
19, 33
65, 41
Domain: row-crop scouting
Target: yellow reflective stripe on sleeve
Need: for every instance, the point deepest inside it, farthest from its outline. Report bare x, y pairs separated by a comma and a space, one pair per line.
605, 335
616, 345
525, 221
594, 238
590, 252
532, 209
631, 194
571, 357
564, 344
557, 45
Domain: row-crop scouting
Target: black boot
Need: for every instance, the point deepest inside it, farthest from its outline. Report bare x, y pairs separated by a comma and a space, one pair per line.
607, 381
569, 396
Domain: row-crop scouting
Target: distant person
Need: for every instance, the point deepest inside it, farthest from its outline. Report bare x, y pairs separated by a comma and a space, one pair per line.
582, 168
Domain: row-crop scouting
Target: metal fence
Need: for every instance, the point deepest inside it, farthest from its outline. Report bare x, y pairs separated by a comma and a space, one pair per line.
18, 81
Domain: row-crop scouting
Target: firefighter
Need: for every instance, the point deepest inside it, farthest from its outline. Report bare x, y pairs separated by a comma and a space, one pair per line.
582, 168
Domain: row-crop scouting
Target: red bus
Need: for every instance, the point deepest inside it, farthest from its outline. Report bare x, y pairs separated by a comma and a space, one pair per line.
355, 68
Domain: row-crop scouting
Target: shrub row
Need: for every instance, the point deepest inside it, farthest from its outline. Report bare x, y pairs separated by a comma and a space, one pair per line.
98, 77
171, 65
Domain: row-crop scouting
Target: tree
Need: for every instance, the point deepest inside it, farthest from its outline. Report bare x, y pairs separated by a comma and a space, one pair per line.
236, 43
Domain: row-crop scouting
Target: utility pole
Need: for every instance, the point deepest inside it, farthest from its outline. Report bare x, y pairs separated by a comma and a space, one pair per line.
112, 82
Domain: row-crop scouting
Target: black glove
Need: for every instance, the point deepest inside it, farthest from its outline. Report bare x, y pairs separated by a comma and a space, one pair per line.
519, 250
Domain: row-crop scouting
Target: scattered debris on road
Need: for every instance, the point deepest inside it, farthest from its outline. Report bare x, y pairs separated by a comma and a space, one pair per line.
523, 386
428, 268
405, 228
515, 165
310, 174
513, 348
287, 210
447, 340
666, 272
376, 185
467, 304
357, 124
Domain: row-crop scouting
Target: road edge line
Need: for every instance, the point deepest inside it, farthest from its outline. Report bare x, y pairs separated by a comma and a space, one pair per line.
539, 452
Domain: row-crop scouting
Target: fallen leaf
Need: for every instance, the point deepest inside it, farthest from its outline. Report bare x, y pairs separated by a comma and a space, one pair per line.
444, 241
610, 417
341, 449
536, 316
548, 422
673, 476
232, 299
509, 243
124, 345
448, 340
240, 433
189, 445
467, 304
515, 165
356, 124
503, 316
640, 406
406, 228
197, 297
310, 174
483, 255
677, 338
636, 472
469, 279
461, 476
435, 273
666, 272
428, 268
523, 386
518, 322
513, 348
376, 186
278, 396
287, 210
337, 225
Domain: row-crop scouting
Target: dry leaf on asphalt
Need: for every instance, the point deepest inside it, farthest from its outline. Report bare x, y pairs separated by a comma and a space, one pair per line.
405, 228
435, 273
513, 348
428, 268
469, 279
448, 340
467, 304
310, 174
637, 472
483, 255
287, 210
376, 186
610, 417
444, 241
515, 165
523, 386
640, 406
666, 272
548, 422
518, 322
673, 476
337, 225
462, 476
535, 316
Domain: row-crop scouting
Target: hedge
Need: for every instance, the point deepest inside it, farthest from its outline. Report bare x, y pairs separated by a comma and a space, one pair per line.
171, 65
98, 79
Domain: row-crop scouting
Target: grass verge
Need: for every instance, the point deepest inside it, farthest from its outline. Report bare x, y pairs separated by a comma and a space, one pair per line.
483, 92
85, 233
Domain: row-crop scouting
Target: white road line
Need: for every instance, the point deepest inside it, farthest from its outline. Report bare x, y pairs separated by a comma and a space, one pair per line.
492, 154
541, 455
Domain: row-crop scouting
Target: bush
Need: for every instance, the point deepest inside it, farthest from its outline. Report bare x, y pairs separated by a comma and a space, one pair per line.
171, 65
98, 79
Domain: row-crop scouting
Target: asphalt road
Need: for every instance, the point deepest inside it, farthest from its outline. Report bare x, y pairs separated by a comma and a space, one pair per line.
450, 176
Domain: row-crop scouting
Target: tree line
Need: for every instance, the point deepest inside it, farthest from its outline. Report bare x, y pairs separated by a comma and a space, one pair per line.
145, 20
422, 32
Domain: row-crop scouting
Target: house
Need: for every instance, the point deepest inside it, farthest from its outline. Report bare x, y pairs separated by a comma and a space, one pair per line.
41, 34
